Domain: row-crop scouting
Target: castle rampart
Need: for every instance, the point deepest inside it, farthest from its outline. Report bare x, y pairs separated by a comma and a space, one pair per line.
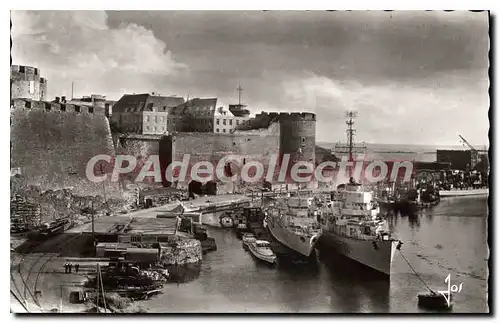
26, 82
51, 144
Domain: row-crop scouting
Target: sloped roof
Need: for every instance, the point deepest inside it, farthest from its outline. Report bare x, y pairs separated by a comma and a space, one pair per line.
194, 103
145, 102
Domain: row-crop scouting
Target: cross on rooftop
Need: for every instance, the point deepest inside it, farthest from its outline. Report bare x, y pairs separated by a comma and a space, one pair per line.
239, 89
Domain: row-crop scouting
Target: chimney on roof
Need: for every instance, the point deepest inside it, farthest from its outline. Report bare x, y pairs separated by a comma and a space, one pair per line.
57, 99
63, 99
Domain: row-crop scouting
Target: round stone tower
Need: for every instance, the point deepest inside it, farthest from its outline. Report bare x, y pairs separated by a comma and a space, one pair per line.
43, 89
26, 83
298, 137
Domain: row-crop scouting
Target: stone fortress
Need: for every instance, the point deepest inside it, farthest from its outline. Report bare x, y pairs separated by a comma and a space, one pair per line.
52, 141
265, 135
26, 83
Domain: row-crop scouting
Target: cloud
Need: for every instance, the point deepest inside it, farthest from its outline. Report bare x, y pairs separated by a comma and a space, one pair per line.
414, 77
79, 46
394, 112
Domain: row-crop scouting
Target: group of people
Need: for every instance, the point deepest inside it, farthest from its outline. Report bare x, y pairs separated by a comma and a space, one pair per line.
69, 266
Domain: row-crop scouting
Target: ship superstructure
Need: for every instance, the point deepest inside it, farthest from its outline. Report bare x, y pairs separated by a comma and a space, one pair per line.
292, 221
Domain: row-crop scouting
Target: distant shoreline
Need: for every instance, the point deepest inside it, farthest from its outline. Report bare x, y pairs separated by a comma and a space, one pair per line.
403, 149
403, 152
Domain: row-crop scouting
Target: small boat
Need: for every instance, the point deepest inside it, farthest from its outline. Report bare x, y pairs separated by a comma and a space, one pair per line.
226, 220
248, 238
240, 228
261, 250
433, 300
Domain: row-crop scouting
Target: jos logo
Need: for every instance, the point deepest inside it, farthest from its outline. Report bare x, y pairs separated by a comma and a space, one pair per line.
451, 289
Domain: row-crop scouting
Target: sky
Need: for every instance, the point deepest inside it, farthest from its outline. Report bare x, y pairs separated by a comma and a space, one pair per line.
416, 77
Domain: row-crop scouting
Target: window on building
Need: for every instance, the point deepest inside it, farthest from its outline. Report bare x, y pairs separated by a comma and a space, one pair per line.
217, 122
223, 130
154, 128
156, 119
224, 121
237, 122
32, 87
230, 122
21, 69
217, 130
36, 71
147, 128
147, 118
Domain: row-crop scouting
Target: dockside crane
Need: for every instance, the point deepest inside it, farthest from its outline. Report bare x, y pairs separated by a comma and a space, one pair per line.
474, 152
467, 143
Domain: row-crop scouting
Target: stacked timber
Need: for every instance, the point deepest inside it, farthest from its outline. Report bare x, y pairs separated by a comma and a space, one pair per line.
24, 215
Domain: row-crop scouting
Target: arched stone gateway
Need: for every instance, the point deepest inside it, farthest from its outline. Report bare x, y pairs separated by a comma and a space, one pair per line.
194, 187
210, 188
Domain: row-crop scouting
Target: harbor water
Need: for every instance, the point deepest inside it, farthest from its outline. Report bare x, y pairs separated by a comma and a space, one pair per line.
450, 238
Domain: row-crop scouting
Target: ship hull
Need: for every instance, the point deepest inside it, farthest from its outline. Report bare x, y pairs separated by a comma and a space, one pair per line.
456, 193
291, 240
378, 258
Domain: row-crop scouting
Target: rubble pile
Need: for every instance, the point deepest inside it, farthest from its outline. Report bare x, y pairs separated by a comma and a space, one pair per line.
114, 304
157, 274
181, 252
57, 204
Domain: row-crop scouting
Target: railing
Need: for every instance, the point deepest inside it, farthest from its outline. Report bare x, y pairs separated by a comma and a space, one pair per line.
343, 232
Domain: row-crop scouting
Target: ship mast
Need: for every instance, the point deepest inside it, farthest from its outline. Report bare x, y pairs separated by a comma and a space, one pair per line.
351, 115
351, 147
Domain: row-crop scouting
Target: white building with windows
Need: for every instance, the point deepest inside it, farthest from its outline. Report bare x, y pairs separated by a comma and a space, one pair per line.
203, 115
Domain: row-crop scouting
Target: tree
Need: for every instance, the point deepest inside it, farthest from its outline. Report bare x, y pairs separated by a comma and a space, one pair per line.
188, 123
115, 127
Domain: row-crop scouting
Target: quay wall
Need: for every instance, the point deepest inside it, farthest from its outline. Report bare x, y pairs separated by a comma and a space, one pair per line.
51, 144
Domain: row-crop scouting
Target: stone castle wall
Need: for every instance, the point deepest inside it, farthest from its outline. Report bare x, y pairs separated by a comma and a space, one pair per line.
52, 143
141, 147
26, 83
298, 136
292, 134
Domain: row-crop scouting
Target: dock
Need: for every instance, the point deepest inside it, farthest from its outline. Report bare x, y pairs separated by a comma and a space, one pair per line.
207, 204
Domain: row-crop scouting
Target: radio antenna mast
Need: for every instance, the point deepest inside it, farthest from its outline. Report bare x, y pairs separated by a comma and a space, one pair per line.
351, 115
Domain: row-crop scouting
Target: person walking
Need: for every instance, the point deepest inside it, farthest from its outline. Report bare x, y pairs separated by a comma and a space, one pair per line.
65, 267
70, 265
77, 266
